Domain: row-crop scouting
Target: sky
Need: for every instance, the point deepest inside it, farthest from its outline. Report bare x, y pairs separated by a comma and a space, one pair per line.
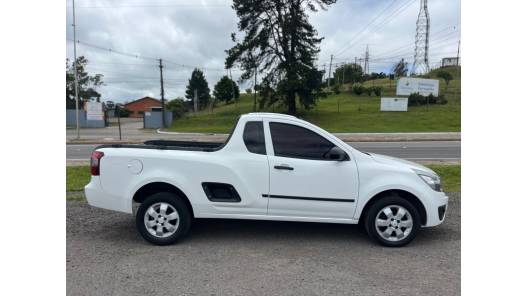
195, 33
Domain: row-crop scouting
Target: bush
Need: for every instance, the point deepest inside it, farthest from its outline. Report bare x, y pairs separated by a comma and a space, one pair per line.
358, 89
178, 107
431, 99
378, 91
369, 90
441, 100
122, 112
415, 99
336, 89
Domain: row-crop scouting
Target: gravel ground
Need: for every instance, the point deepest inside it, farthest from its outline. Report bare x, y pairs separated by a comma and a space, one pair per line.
106, 256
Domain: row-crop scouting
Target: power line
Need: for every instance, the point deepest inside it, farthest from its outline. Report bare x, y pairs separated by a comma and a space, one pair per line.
152, 5
390, 17
110, 50
408, 49
124, 64
435, 39
340, 51
138, 56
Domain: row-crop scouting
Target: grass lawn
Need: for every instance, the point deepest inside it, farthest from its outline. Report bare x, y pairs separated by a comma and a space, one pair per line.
77, 177
450, 176
344, 112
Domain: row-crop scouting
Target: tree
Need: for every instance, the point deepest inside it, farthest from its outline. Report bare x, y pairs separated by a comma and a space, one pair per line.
179, 106
226, 90
446, 76
87, 84
280, 40
249, 90
375, 75
198, 82
352, 73
401, 68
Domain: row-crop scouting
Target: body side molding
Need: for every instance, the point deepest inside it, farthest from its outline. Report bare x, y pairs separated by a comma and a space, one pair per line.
307, 198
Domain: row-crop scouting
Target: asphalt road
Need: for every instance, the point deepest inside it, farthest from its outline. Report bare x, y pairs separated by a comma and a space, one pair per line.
106, 256
416, 151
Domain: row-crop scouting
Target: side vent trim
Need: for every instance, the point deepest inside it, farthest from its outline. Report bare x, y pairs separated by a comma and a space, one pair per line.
220, 192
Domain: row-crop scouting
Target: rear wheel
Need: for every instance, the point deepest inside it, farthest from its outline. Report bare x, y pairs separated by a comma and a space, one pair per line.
392, 221
163, 218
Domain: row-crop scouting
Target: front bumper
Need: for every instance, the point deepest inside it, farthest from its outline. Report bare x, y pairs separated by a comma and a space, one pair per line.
436, 209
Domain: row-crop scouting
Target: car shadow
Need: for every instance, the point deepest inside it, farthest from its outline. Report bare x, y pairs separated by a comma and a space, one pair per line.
234, 228
226, 231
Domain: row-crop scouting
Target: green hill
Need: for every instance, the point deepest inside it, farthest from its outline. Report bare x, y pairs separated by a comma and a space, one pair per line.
346, 112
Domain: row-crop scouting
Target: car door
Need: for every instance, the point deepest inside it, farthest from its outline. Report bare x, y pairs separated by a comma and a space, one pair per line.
303, 182
244, 168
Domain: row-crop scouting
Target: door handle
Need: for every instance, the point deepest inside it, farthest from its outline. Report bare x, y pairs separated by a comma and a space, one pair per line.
283, 167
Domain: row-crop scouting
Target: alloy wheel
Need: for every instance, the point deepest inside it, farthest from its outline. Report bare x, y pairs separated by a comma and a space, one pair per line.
161, 219
394, 223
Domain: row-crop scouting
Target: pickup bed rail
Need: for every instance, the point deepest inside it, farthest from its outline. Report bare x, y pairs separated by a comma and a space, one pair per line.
170, 145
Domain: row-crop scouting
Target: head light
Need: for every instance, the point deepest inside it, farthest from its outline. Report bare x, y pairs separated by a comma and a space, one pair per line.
433, 181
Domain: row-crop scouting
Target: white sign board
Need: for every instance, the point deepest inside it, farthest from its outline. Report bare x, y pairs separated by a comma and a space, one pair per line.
407, 86
394, 104
94, 111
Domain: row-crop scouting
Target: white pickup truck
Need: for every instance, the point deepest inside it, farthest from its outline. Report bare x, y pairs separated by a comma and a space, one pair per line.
272, 167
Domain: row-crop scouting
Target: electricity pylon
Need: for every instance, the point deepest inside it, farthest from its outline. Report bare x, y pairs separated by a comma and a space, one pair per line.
422, 35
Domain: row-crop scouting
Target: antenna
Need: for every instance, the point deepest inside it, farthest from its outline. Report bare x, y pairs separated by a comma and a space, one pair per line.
422, 35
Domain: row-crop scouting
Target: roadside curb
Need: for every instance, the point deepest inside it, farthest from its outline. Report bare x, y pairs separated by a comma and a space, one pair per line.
102, 141
159, 131
347, 137
423, 162
357, 137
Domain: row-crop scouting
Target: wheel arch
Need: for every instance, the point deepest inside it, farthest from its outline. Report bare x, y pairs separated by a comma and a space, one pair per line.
410, 197
158, 186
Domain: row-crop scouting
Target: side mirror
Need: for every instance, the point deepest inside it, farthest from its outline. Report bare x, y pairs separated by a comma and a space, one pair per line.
337, 154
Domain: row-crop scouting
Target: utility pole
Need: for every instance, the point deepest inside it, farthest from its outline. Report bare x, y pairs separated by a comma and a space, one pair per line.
232, 89
76, 74
457, 59
118, 110
163, 124
329, 73
343, 71
195, 100
254, 88
367, 60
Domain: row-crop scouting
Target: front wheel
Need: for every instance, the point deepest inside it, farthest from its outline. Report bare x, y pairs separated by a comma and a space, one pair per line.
163, 218
392, 221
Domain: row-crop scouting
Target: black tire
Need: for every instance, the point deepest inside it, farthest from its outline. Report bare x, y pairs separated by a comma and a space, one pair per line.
177, 203
371, 216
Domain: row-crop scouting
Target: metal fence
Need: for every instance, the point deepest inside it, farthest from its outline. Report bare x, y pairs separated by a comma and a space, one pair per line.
153, 119
71, 120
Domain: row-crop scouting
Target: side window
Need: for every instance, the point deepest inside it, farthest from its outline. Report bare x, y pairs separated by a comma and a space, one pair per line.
297, 142
253, 137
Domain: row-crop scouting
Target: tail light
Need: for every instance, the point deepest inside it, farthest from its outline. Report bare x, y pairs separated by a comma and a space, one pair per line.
95, 162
